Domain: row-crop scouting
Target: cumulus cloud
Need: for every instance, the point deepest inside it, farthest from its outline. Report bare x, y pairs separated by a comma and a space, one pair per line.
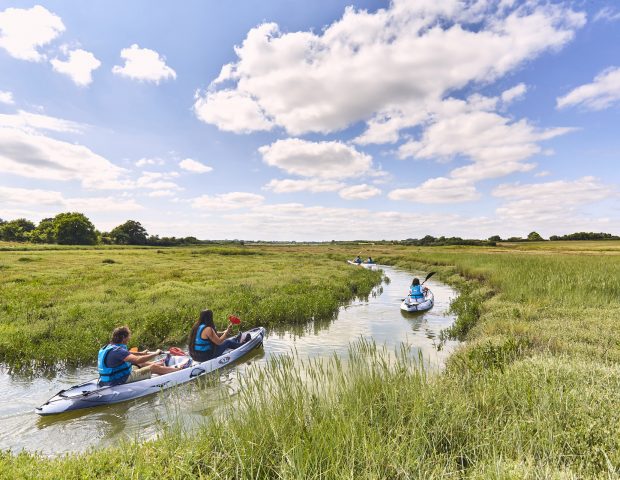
359, 192
26, 152
514, 93
162, 193
438, 190
603, 92
143, 64
23, 31
557, 202
6, 97
325, 160
194, 166
79, 66
157, 181
607, 14
494, 144
380, 67
289, 185
149, 161
228, 201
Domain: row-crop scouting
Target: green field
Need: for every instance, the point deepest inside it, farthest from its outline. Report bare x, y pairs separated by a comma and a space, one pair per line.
534, 392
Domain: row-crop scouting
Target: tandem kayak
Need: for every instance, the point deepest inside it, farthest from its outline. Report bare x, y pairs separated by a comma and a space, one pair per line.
410, 304
362, 264
90, 394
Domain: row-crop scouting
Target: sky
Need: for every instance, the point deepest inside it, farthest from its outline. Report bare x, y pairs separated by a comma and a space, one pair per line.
323, 120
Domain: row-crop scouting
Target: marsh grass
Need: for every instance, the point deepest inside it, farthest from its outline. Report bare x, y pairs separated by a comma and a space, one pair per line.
63, 306
533, 392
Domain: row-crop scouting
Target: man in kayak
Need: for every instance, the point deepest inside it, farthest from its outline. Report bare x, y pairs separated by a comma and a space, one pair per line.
204, 341
358, 259
117, 365
416, 291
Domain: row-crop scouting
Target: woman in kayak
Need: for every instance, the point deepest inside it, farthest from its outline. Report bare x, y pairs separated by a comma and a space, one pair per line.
370, 260
204, 341
416, 291
358, 259
117, 365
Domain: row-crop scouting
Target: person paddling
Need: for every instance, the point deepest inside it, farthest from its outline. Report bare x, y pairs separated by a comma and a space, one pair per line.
117, 365
358, 259
206, 343
416, 291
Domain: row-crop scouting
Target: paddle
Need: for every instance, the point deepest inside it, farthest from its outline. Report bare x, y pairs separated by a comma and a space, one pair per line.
234, 320
174, 351
425, 279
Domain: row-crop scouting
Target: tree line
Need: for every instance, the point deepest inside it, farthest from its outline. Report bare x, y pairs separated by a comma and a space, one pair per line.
74, 228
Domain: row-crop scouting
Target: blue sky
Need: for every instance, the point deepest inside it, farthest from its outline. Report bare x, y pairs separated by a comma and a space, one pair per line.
283, 120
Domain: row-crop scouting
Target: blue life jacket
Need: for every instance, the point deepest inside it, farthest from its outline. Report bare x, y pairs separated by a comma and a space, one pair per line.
416, 291
202, 345
112, 375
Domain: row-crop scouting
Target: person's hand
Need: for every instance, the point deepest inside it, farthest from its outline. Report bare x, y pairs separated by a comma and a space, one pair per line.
158, 351
227, 331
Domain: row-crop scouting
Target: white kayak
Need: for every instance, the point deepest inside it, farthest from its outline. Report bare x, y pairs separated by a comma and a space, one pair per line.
411, 304
90, 394
362, 264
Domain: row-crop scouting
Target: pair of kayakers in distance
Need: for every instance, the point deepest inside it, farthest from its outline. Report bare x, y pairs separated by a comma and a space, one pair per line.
118, 365
358, 259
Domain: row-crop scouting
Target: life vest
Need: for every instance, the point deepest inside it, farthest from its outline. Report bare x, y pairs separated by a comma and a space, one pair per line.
109, 375
416, 291
201, 345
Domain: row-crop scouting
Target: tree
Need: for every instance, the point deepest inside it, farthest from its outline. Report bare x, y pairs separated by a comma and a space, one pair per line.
534, 237
129, 233
45, 232
495, 238
16, 230
74, 228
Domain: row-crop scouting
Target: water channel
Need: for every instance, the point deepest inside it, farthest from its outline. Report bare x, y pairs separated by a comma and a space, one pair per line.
378, 318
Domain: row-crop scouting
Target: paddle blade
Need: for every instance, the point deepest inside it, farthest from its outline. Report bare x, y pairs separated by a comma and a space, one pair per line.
177, 352
234, 320
429, 276
133, 349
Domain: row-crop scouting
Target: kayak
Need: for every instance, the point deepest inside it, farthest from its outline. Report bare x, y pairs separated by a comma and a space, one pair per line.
363, 264
90, 394
412, 305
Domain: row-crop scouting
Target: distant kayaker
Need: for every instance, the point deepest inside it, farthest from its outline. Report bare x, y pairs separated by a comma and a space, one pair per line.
206, 343
370, 260
416, 290
117, 365
358, 259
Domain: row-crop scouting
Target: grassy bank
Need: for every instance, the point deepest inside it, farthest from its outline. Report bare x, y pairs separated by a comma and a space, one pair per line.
61, 305
534, 393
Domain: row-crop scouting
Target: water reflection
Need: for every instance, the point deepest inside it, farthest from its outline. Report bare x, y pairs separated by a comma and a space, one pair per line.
377, 318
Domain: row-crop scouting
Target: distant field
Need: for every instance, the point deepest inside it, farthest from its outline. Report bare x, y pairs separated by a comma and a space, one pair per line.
532, 393
61, 305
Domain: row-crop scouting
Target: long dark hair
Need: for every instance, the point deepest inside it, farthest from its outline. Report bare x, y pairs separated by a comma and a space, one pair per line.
206, 318
416, 281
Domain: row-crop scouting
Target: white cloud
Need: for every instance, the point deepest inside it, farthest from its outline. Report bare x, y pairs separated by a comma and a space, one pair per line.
231, 111
551, 203
496, 146
607, 14
289, 185
514, 93
157, 181
143, 64
6, 97
544, 173
598, 95
23, 31
326, 160
359, 192
79, 66
149, 161
194, 166
438, 190
228, 201
49, 200
379, 67
27, 152
32, 122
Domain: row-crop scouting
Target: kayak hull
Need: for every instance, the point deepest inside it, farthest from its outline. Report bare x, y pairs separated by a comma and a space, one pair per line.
89, 394
363, 264
411, 306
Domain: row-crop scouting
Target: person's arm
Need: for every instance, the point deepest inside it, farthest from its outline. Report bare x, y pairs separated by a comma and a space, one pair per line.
214, 337
141, 358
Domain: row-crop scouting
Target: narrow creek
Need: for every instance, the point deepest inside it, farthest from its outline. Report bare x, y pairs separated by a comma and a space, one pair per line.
378, 318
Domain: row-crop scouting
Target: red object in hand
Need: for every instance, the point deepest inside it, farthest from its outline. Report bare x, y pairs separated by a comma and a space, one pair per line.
234, 320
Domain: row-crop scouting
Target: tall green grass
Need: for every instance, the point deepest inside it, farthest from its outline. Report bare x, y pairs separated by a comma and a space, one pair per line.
61, 305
